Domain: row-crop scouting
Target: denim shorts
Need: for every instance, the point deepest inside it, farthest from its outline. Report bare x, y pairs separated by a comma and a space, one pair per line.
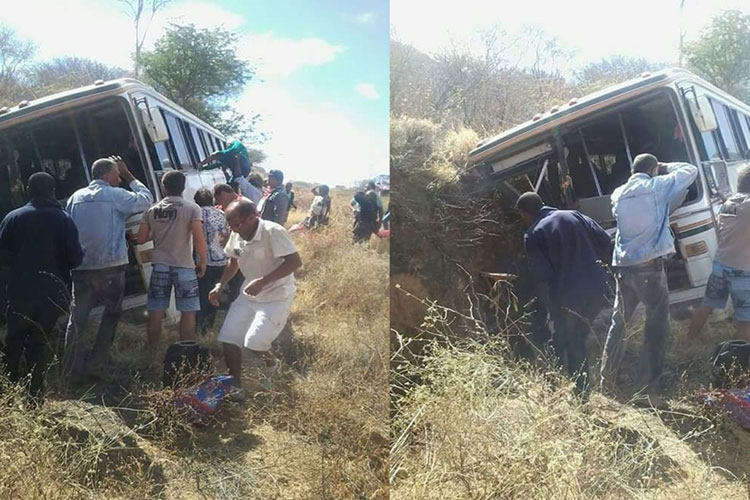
185, 282
725, 281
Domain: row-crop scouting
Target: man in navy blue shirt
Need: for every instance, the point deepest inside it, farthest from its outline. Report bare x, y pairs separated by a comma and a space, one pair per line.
39, 243
564, 250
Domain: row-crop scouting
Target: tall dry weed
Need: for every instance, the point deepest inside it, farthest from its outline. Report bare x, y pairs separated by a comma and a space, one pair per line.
471, 423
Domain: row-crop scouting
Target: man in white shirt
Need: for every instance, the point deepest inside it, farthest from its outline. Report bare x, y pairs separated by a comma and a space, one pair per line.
267, 257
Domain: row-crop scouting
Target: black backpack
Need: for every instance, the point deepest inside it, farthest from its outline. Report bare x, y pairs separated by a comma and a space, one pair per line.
184, 359
730, 363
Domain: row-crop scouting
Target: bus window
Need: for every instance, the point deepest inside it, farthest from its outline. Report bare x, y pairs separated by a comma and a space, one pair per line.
204, 142
606, 155
59, 154
726, 133
608, 144
177, 141
207, 140
11, 188
104, 130
188, 138
712, 148
198, 145
201, 142
741, 120
21, 146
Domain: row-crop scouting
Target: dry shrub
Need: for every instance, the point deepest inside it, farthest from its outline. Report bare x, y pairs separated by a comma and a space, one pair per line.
458, 144
413, 141
479, 425
69, 450
340, 278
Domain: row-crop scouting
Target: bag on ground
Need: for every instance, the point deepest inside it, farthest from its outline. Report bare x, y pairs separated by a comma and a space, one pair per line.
182, 359
201, 402
730, 364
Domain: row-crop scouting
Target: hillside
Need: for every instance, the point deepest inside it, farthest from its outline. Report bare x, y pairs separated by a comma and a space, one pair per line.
472, 420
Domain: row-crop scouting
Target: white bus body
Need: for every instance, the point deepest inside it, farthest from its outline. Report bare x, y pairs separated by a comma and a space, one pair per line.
64, 133
576, 154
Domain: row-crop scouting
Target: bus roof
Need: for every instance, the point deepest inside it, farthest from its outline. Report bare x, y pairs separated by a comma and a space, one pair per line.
563, 113
102, 88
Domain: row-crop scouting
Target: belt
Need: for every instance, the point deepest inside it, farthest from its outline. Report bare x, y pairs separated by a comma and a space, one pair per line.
655, 264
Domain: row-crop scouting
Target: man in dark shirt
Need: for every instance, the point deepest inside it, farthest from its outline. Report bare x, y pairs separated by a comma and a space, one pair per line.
365, 218
563, 249
39, 243
274, 205
290, 195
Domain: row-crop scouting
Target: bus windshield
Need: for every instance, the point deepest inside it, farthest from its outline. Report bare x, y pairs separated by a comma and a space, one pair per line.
598, 152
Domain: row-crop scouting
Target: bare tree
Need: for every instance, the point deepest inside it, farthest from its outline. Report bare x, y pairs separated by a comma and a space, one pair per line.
64, 73
15, 55
136, 10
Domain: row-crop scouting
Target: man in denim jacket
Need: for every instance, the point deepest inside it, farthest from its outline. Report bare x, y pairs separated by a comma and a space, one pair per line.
99, 210
641, 207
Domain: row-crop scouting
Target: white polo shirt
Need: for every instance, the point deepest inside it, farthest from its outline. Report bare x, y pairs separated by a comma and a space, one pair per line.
261, 255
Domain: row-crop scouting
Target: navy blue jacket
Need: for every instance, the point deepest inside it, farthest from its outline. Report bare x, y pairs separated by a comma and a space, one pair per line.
563, 247
36, 240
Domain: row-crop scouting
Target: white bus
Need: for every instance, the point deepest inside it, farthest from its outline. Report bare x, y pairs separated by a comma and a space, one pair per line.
575, 155
64, 133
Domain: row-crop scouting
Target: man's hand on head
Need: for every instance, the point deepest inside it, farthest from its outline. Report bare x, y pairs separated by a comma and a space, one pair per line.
663, 169
122, 168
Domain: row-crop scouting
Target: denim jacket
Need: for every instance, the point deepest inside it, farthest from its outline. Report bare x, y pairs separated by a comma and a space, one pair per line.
641, 208
99, 210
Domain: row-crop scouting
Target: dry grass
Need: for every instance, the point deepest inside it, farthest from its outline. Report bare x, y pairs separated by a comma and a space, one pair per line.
320, 432
479, 425
469, 421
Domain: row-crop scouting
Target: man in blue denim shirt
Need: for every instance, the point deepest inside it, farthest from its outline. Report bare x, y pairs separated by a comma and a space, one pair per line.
641, 208
99, 210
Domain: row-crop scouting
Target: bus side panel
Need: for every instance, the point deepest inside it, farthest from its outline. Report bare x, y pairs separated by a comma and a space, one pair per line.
696, 240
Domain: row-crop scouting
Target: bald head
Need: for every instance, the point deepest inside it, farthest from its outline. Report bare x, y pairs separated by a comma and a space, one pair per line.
645, 164
105, 169
242, 207
41, 186
529, 203
242, 217
102, 167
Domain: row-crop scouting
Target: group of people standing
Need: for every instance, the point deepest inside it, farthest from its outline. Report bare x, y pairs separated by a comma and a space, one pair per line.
567, 250
199, 247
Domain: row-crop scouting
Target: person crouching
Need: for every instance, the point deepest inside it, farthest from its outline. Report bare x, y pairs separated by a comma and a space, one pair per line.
267, 257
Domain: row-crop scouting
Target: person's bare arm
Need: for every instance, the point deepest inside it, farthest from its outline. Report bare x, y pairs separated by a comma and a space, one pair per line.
224, 237
226, 276
144, 233
291, 263
208, 159
199, 242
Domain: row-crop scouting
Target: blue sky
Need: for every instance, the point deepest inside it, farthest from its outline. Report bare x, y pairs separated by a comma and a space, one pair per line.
321, 83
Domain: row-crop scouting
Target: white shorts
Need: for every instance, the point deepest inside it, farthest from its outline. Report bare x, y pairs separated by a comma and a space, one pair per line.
255, 325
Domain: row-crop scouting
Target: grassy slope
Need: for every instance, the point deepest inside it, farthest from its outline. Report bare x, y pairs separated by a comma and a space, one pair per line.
470, 423
320, 433
483, 426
